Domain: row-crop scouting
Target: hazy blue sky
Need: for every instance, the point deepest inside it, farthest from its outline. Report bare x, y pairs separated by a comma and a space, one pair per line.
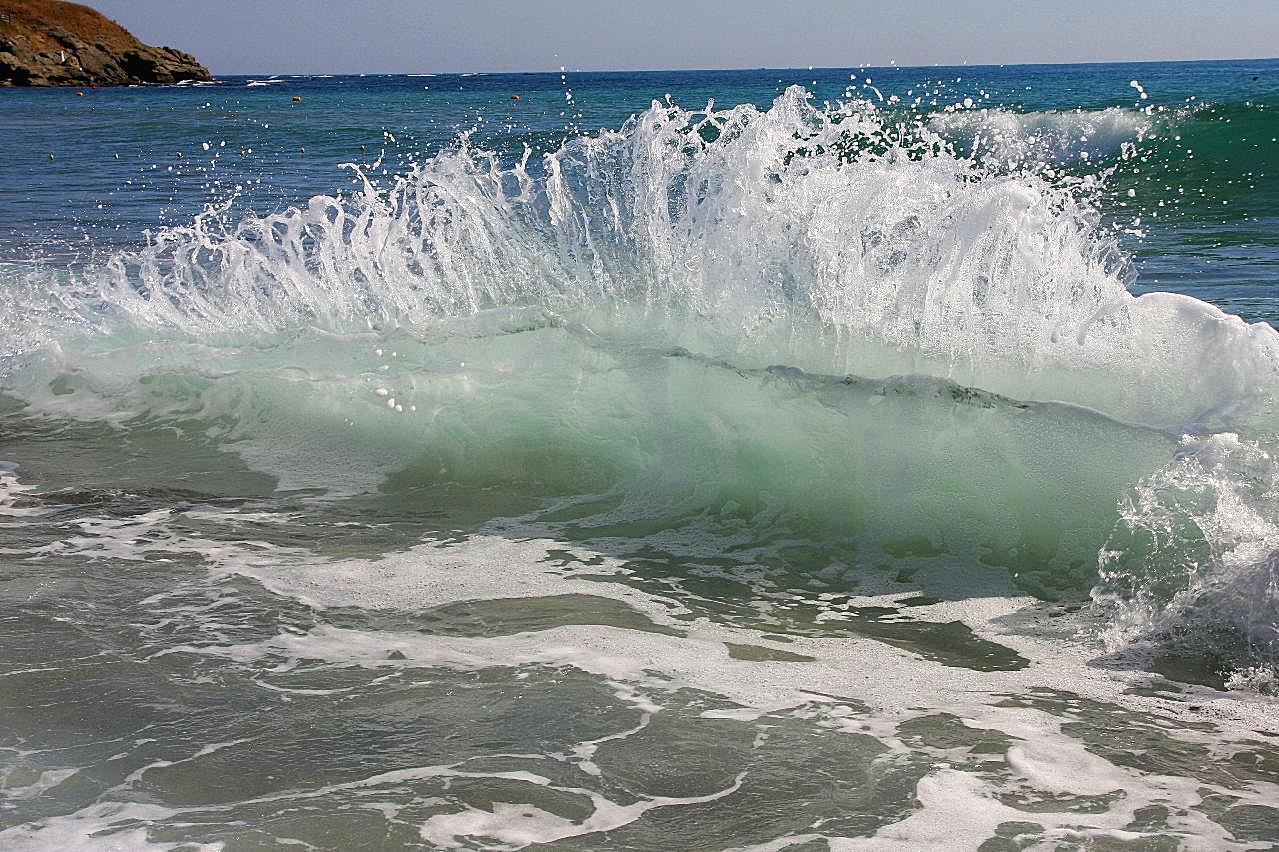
406, 36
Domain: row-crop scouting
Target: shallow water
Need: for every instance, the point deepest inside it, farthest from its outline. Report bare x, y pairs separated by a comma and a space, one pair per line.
813, 469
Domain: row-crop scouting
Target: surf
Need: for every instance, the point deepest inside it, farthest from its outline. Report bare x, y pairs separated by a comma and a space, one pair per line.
818, 321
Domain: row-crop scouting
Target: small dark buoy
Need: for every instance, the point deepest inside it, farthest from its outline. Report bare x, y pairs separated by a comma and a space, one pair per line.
302, 150
297, 99
515, 97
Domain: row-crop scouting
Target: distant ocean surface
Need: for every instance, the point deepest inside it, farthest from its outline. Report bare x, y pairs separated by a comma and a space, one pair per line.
813, 459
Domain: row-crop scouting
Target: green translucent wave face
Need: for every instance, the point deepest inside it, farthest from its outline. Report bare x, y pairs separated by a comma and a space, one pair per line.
899, 467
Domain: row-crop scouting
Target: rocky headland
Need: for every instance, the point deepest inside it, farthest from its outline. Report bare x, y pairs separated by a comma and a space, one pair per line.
52, 43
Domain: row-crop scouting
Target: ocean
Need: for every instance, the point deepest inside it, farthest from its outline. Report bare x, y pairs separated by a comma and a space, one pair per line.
811, 459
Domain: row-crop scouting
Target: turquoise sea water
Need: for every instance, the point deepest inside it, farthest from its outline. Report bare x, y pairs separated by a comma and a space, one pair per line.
833, 458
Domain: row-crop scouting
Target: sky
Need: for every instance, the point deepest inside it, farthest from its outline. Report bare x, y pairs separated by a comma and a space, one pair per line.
428, 36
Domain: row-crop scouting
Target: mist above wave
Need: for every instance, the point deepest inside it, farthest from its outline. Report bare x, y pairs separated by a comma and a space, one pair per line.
834, 239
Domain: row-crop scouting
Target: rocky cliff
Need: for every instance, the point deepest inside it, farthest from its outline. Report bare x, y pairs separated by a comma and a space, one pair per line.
51, 43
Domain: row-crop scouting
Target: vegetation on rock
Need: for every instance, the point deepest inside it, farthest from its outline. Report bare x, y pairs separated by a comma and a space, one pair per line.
53, 43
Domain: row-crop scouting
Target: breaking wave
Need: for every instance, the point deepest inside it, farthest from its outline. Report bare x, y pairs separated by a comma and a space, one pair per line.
799, 318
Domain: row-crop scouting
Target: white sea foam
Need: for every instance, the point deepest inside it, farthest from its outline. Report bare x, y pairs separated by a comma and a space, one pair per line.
517, 566
1197, 550
1044, 764
851, 686
1037, 138
12, 493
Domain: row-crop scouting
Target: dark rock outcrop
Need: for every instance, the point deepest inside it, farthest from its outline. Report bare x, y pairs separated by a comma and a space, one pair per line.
52, 43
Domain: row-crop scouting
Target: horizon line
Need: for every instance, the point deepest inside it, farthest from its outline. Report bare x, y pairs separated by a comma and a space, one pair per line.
806, 68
